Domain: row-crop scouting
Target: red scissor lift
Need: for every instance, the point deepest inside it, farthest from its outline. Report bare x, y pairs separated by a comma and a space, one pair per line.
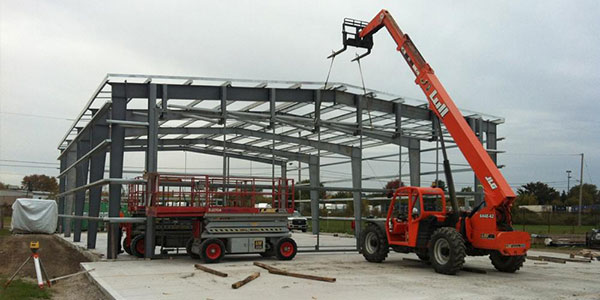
211, 215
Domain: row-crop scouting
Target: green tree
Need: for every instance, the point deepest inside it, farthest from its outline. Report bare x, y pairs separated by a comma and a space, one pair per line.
342, 195
467, 189
544, 193
526, 199
439, 184
563, 197
392, 186
305, 194
364, 207
3, 186
37, 182
590, 195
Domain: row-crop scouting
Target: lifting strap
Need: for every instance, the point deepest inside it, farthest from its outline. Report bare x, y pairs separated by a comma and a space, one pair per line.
364, 89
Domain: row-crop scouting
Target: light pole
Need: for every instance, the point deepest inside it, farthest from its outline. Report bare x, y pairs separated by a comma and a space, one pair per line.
580, 190
568, 180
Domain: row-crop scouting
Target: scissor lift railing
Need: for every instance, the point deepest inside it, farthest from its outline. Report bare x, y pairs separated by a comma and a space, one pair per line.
198, 194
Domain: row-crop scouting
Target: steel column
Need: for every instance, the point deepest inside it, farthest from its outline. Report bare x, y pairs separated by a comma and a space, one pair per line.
97, 164
83, 146
117, 136
414, 162
61, 189
315, 183
69, 184
491, 140
356, 196
152, 162
477, 126
398, 119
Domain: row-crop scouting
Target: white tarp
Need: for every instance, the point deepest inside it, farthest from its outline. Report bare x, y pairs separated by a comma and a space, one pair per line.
34, 215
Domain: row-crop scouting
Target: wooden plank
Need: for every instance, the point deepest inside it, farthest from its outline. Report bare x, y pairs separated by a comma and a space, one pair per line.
264, 266
277, 271
550, 259
241, 283
209, 270
581, 260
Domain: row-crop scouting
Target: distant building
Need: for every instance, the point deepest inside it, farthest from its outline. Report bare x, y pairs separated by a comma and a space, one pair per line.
8, 197
537, 208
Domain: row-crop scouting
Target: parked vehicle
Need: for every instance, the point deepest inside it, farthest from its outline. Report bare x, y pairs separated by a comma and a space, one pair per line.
297, 221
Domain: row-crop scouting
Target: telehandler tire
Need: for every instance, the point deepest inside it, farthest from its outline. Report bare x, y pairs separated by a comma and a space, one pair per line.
508, 264
446, 251
373, 243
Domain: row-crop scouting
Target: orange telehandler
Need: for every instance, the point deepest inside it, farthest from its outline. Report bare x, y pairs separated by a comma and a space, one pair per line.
418, 219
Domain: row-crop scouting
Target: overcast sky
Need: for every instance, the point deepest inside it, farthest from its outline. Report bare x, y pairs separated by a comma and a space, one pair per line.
535, 63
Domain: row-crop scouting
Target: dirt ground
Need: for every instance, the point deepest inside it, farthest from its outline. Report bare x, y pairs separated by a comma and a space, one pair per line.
58, 259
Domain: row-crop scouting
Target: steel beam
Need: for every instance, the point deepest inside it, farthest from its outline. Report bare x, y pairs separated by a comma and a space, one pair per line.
193, 92
86, 128
200, 141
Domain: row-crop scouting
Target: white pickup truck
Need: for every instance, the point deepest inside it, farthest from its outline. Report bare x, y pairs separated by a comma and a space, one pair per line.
297, 221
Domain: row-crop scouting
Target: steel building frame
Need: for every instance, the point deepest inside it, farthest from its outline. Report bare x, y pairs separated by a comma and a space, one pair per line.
271, 122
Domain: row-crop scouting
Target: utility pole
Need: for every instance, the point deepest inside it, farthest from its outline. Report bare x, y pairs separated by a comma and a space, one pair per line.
580, 190
568, 180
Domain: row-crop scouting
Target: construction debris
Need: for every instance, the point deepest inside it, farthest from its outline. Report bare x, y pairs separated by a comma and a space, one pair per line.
241, 283
580, 260
209, 270
277, 271
591, 254
564, 242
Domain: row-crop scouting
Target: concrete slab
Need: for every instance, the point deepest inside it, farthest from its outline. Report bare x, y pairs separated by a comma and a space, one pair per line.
177, 278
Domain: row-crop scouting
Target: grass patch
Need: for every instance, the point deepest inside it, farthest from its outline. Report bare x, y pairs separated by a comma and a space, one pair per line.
334, 226
554, 229
6, 230
20, 289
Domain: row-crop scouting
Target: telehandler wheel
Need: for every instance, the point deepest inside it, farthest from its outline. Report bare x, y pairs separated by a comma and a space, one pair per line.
212, 250
446, 251
508, 264
188, 249
373, 243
